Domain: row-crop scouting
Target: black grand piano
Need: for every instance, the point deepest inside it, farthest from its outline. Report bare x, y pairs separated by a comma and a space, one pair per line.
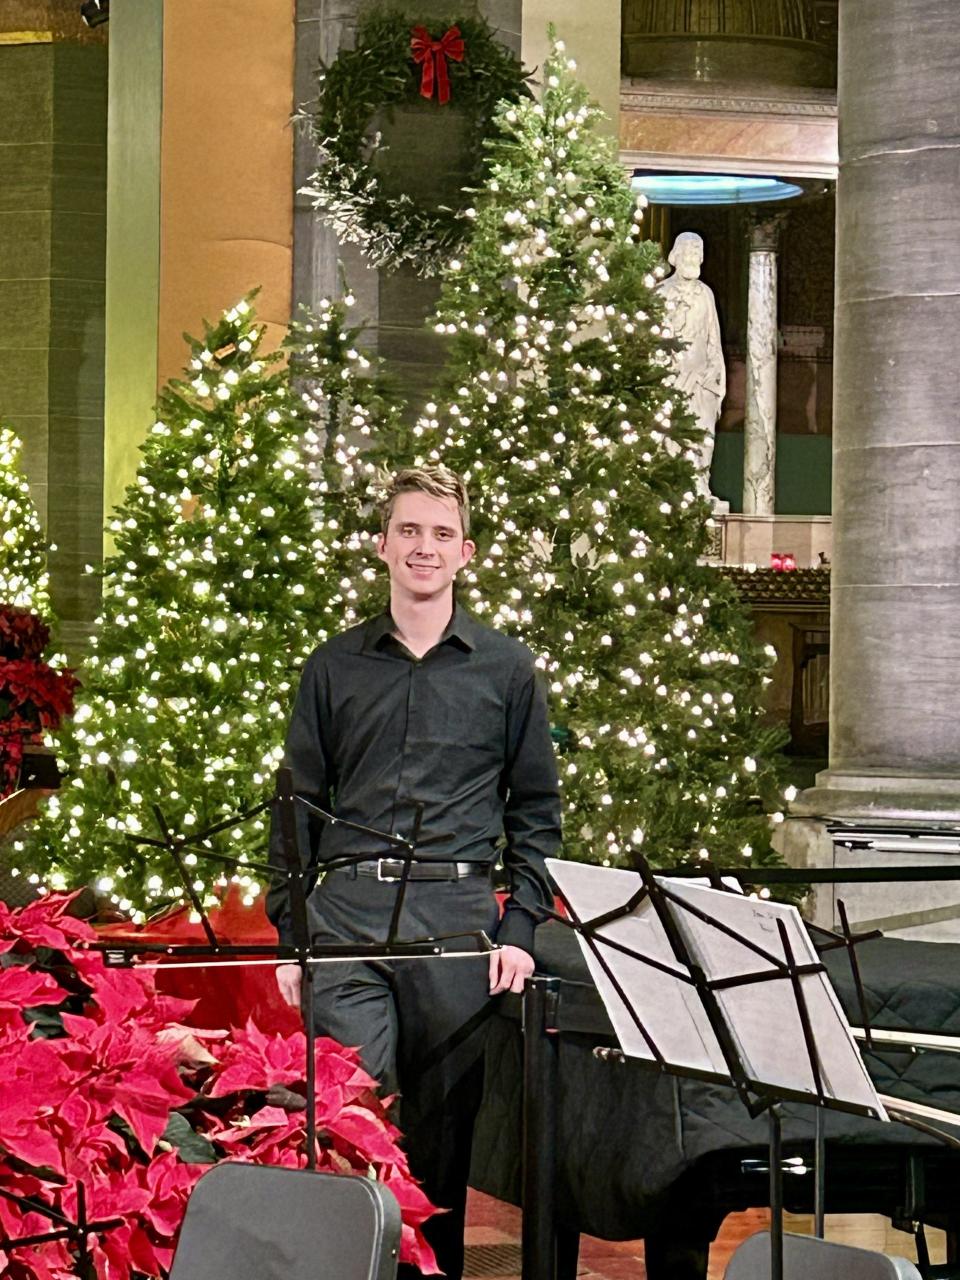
640, 1154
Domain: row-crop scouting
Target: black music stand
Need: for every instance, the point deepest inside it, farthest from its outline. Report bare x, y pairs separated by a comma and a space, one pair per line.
716, 986
304, 950
61, 1228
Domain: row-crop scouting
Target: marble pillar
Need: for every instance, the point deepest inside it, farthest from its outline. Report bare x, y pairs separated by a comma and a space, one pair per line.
760, 422
895, 643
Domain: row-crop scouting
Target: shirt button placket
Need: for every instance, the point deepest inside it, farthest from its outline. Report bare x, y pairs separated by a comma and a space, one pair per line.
403, 816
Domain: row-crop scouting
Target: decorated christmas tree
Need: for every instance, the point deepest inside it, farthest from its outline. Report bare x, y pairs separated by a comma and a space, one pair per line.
591, 536
35, 694
24, 580
210, 604
362, 432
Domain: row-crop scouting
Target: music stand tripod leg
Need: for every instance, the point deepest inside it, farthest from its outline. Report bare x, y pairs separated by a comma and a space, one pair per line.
310, 1030
776, 1195
819, 1174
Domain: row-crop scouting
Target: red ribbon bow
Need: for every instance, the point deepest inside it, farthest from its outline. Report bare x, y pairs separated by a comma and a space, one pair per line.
434, 54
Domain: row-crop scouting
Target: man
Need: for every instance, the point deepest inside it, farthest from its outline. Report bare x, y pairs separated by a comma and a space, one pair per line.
698, 370
424, 705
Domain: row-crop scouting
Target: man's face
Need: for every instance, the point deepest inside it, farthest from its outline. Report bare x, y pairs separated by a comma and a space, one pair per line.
687, 260
424, 546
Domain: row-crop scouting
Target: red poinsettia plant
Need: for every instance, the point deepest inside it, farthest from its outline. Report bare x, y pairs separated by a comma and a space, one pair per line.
33, 695
103, 1087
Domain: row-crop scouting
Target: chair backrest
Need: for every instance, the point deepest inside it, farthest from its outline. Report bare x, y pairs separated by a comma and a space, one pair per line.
807, 1258
256, 1222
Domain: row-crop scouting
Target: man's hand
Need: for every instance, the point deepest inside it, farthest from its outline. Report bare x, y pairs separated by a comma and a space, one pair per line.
288, 980
509, 969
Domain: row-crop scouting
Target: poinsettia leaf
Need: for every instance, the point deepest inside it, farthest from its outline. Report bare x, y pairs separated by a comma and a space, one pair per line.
278, 1095
253, 1061
37, 1147
270, 1118
364, 1131
26, 1105
118, 994
193, 1147
414, 1202
45, 1021
415, 1250
21, 987
191, 1052
45, 923
146, 1109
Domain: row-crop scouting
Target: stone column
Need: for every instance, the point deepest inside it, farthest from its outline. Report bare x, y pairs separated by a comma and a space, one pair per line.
895, 643
760, 422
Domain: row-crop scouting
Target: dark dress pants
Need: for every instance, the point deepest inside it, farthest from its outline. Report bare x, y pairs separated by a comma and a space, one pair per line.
419, 1025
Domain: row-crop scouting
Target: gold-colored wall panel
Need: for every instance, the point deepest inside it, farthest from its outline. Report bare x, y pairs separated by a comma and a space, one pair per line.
226, 181
591, 33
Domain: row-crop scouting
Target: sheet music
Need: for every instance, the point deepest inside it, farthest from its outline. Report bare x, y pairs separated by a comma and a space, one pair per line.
762, 1017
670, 1010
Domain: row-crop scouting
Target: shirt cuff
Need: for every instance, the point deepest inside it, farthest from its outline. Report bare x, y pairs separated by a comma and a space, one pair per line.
516, 929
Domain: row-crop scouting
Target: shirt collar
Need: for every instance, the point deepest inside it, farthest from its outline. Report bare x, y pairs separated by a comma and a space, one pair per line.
460, 630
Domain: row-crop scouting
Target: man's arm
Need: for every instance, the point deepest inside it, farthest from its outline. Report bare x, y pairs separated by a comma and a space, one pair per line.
304, 755
531, 819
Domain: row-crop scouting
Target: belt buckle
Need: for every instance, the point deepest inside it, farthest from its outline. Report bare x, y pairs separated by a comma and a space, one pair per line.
388, 878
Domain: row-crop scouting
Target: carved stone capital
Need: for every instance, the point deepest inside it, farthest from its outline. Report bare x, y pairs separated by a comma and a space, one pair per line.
763, 230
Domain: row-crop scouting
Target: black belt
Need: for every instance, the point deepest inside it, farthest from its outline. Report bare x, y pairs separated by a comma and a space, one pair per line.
390, 869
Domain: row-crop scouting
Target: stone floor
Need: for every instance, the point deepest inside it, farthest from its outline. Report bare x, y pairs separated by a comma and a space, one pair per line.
493, 1242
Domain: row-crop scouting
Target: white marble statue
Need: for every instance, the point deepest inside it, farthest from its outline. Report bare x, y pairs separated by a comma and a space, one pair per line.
698, 369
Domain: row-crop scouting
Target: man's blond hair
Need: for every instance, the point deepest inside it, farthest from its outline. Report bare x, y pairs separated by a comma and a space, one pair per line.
438, 482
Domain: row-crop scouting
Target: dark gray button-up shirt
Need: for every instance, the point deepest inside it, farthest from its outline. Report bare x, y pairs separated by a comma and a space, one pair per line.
462, 731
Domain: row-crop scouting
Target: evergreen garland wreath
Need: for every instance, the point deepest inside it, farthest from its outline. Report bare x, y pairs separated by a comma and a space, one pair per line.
467, 65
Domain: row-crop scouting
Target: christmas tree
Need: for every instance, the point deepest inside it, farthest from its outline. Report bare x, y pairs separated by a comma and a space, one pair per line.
363, 433
579, 459
210, 603
34, 694
24, 580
